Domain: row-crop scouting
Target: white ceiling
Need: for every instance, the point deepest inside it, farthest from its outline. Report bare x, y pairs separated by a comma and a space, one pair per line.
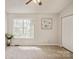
48, 6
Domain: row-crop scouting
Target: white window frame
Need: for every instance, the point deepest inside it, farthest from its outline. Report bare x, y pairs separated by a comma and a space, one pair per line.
24, 35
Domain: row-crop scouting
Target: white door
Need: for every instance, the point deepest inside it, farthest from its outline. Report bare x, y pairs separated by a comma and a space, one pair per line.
67, 32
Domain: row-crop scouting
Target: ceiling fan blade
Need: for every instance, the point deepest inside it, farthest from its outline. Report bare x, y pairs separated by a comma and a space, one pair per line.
40, 3
28, 2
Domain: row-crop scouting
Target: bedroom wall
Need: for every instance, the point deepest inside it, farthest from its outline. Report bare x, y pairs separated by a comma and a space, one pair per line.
59, 33
67, 10
66, 23
42, 37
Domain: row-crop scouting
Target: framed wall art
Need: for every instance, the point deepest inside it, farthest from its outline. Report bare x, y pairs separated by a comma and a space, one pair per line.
46, 23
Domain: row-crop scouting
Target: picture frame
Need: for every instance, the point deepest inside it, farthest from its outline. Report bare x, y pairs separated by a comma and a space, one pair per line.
46, 23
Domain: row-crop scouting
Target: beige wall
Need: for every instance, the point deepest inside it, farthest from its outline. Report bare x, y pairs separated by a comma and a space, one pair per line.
59, 33
67, 11
42, 37
66, 27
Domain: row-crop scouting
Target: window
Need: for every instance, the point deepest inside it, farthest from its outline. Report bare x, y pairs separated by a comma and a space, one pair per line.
23, 28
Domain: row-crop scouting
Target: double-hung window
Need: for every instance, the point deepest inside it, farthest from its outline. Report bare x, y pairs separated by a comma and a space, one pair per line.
23, 28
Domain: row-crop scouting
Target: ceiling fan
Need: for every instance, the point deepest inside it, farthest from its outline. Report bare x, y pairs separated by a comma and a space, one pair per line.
35, 1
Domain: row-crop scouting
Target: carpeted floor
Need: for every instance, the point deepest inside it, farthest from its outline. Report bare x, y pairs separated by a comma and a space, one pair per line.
37, 52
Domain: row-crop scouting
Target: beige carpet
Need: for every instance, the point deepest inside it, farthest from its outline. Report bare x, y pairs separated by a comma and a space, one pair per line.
37, 52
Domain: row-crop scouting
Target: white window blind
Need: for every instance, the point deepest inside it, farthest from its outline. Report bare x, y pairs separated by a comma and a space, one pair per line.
23, 28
